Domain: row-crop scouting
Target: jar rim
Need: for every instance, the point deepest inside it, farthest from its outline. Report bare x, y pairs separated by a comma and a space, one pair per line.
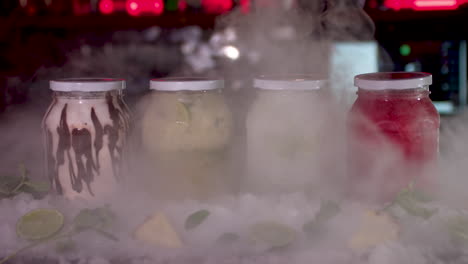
87, 84
186, 84
296, 82
393, 80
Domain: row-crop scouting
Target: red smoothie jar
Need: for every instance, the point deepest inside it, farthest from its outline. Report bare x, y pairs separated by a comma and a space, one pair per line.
393, 135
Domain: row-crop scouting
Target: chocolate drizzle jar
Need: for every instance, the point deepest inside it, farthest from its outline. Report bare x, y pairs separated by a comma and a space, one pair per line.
85, 132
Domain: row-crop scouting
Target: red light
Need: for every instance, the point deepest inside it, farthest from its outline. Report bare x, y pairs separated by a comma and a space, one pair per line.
106, 6
266, 3
138, 7
182, 5
424, 4
132, 8
434, 5
245, 6
158, 7
216, 6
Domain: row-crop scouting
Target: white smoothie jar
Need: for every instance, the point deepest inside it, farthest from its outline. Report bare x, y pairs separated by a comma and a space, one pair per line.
284, 130
85, 131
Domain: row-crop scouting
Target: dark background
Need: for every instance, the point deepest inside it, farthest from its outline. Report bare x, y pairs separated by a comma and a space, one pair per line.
41, 39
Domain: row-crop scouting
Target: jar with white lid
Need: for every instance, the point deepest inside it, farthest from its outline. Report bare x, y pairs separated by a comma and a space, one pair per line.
284, 128
85, 131
393, 134
186, 130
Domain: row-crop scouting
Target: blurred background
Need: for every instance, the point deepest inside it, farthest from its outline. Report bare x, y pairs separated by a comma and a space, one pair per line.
143, 39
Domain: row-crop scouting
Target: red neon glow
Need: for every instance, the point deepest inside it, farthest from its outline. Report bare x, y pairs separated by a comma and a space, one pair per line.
182, 5
245, 6
266, 3
216, 6
106, 6
424, 4
139, 7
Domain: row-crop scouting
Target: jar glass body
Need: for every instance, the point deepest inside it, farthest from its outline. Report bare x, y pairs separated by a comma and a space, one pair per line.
284, 133
393, 138
187, 138
85, 135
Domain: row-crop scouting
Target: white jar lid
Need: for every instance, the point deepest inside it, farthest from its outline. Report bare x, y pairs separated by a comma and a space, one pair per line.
392, 80
87, 85
289, 82
185, 84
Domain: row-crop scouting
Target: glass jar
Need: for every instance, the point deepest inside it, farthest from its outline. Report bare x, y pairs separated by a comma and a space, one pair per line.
85, 132
284, 126
393, 134
186, 130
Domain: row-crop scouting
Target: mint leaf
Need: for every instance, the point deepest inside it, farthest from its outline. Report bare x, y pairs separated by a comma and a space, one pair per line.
421, 197
328, 210
409, 202
273, 234
65, 246
415, 210
458, 228
38, 186
8, 185
196, 219
227, 238
99, 218
106, 234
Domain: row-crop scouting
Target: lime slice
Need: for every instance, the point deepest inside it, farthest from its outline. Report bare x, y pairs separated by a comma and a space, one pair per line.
40, 224
273, 234
183, 113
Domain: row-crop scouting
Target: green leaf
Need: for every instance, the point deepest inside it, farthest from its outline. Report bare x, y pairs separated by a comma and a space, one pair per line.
9, 185
65, 246
407, 203
409, 199
328, 210
273, 234
227, 238
196, 219
86, 219
458, 228
311, 227
93, 218
106, 215
37, 186
106, 234
421, 197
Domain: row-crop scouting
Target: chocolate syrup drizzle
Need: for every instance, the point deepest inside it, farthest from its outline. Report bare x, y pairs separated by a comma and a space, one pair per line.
81, 144
80, 141
113, 133
98, 142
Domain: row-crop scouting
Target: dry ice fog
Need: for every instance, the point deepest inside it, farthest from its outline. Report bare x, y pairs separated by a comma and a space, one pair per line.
291, 210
